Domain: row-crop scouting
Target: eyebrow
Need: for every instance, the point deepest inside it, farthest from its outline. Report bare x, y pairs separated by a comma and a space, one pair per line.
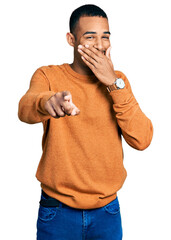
96, 33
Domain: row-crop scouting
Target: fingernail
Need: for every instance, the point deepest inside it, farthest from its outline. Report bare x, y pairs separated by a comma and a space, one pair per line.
87, 46
80, 46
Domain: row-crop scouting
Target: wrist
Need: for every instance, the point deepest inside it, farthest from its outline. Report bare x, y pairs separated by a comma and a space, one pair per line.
111, 82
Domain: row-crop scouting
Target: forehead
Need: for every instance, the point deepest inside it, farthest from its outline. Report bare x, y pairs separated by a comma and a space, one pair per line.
97, 24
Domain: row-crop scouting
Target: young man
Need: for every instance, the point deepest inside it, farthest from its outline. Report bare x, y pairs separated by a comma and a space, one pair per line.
85, 107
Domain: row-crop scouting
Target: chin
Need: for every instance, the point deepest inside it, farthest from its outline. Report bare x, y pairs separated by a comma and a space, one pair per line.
85, 67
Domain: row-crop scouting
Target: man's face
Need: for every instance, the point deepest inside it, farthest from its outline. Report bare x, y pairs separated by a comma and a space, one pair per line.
93, 31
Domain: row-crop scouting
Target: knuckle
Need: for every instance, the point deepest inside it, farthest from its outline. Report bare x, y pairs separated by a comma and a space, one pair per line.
50, 100
66, 108
55, 105
65, 93
57, 94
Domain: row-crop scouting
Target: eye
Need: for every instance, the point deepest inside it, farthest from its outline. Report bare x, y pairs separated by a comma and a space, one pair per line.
105, 37
90, 37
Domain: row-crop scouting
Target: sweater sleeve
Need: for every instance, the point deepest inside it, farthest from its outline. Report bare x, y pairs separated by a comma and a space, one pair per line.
136, 128
31, 106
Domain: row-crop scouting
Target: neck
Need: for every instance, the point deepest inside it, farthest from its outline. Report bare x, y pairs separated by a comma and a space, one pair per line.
81, 68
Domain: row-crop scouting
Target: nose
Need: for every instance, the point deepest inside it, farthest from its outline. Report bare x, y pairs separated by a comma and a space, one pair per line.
98, 44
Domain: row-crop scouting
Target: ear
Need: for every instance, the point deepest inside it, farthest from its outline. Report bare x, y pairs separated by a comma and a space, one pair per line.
70, 39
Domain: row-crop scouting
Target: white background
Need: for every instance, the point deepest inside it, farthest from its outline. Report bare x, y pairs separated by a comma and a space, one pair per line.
33, 34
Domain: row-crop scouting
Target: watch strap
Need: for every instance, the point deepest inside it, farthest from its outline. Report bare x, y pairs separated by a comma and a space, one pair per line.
112, 87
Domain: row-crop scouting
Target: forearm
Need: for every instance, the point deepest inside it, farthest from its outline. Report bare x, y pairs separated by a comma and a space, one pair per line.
31, 107
136, 128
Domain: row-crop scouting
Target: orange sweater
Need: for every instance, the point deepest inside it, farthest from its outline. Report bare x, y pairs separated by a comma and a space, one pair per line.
82, 159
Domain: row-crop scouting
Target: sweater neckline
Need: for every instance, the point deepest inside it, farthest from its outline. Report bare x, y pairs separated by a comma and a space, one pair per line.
86, 78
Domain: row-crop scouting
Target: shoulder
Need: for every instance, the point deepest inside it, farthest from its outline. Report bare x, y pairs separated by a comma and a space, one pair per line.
51, 68
50, 71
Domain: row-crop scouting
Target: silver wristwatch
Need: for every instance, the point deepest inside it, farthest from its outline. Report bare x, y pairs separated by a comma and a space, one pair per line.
118, 84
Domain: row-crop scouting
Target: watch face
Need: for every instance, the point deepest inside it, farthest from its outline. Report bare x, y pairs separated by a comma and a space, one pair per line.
120, 83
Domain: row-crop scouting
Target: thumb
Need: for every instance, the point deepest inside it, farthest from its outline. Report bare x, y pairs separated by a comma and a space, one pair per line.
108, 52
68, 98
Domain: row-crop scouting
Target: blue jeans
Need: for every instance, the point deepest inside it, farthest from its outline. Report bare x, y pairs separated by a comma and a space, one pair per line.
66, 223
